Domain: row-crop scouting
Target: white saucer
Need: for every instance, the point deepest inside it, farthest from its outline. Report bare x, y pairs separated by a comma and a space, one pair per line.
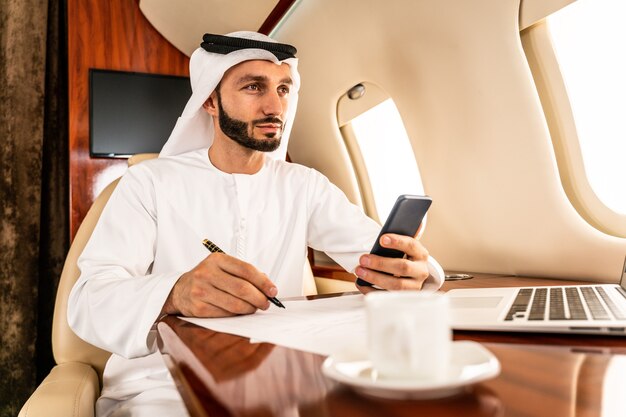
471, 363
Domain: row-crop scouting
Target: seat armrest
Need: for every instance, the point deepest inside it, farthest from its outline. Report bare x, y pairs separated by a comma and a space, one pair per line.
71, 389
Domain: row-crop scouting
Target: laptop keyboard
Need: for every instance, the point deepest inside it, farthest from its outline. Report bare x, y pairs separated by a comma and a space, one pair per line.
566, 303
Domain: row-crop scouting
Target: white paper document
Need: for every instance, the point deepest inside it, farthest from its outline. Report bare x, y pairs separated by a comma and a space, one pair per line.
326, 326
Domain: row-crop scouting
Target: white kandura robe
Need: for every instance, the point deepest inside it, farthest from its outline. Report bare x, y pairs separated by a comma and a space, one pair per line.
151, 232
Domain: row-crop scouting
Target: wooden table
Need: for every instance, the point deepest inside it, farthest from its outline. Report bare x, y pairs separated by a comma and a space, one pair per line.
219, 374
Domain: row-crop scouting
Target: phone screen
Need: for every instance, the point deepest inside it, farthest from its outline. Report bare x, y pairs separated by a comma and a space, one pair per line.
404, 219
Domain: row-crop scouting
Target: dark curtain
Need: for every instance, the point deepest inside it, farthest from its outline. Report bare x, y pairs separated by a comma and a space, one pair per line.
34, 216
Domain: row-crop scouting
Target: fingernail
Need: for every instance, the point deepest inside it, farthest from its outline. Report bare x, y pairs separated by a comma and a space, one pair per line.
273, 291
386, 240
360, 272
365, 261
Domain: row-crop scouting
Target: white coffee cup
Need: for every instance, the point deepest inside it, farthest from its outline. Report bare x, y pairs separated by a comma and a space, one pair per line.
409, 334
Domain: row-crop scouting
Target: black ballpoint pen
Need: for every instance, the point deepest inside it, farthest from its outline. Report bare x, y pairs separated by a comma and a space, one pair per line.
212, 247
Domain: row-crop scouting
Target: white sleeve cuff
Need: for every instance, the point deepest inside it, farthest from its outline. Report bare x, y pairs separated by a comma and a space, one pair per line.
436, 278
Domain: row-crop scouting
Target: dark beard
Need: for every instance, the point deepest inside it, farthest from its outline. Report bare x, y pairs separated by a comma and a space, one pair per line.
237, 130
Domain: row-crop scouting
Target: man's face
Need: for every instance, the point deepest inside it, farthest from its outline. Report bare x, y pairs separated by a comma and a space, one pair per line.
251, 103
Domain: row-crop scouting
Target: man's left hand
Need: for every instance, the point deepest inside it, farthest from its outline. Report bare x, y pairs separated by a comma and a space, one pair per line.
408, 273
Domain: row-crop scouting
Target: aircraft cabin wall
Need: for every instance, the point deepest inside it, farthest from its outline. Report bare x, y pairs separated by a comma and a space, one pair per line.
458, 73
462, 83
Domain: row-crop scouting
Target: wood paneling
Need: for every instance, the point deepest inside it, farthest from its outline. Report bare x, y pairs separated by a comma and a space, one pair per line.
106, 34
275, 15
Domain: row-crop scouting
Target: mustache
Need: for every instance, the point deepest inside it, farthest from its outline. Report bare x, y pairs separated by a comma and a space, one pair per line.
270, 119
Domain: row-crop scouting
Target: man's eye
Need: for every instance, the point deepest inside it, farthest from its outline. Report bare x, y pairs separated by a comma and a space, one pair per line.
283, 90
252, 87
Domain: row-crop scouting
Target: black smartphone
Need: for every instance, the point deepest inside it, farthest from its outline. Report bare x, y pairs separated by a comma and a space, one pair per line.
405, 218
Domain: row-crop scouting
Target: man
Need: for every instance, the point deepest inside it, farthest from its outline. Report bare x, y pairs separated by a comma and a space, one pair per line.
221, 176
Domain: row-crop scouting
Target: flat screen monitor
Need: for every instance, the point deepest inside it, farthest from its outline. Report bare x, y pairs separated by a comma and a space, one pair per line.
133, 112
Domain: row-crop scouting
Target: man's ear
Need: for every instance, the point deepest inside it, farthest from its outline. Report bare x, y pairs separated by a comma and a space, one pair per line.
210, 105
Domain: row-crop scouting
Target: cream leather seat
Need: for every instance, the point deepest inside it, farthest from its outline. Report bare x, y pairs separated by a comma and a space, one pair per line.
73, 385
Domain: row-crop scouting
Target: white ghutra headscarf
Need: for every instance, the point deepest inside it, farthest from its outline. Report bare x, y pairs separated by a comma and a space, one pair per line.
194, 128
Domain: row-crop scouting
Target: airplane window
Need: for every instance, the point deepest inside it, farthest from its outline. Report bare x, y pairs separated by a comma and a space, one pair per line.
387, 156
589, 38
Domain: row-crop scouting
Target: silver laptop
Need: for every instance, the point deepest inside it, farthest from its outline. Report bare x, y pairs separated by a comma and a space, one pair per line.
597, 309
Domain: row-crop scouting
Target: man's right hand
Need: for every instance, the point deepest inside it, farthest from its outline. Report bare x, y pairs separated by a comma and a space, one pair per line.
220, 286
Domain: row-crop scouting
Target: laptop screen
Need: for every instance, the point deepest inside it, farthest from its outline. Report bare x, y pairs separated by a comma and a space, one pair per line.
622, 282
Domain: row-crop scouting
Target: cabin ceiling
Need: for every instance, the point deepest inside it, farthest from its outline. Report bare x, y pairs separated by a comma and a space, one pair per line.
184, 22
